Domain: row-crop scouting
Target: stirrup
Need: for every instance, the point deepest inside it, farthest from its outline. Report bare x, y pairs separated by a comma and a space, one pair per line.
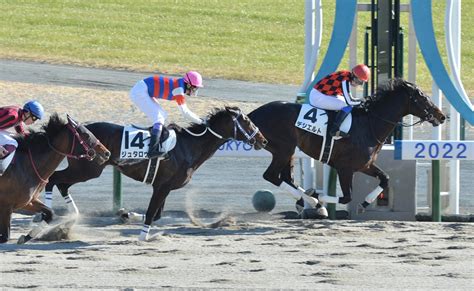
339, 133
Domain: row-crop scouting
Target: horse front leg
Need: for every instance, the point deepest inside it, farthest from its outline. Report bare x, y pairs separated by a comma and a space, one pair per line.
157, 200
374, 171
345, 180
47, 215
5, 221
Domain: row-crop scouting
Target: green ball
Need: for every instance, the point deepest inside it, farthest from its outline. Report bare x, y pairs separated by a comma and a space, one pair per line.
263, 201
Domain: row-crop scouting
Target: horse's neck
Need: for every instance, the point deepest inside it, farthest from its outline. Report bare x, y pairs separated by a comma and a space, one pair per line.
202, 148
47, 163
386, 114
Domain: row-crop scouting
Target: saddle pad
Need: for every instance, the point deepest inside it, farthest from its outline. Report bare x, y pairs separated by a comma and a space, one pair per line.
136, 141
315, 120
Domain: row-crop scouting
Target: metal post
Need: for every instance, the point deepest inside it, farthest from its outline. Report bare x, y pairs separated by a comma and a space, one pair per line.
117, 200
436, 191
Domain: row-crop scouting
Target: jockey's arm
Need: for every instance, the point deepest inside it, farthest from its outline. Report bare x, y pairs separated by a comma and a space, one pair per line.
348, 96
20, 128
185, 111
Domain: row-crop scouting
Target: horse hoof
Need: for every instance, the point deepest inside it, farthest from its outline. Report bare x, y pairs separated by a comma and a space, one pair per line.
125, 218
312, 213
360, 209
323, 212
21, 240
121, 211
38, 217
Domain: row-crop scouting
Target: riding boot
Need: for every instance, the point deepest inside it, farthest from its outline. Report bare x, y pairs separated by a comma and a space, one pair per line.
341, 115
154, 148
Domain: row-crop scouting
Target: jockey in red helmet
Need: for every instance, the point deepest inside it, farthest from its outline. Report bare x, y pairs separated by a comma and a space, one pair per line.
16, 117
146, 93
333, 93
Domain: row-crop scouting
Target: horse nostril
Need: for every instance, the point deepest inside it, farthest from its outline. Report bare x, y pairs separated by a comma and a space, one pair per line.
107, 154
443, 118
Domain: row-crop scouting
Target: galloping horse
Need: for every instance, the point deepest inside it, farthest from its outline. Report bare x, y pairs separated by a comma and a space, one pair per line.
371, 125
36, 158
190, 152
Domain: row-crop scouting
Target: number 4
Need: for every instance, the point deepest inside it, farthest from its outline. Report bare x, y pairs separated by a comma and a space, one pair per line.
311, 115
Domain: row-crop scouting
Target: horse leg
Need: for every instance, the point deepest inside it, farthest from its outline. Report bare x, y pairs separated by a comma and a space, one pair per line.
345, 180
5, 220
157, 200
374, 171
71, 205
277, 175
77, 171
47, 214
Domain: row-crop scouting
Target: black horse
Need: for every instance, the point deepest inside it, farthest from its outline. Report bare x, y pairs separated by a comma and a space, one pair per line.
36, 158
194, 146
371, 125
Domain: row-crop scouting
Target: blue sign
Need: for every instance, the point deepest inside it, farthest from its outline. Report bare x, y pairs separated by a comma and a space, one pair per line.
434, 150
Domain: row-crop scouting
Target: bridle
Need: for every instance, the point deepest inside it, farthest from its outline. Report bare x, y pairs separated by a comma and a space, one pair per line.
251, 140
427, 110
90, 153
89, 150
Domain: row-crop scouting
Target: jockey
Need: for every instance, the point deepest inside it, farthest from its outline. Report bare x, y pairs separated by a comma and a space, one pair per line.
333, 93
146, 93
14, 116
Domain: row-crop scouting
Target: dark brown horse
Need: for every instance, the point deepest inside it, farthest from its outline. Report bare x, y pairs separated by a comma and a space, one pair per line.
371, 125
36, 158
194, 146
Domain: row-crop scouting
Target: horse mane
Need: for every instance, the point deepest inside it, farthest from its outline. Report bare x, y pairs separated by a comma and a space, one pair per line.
215, 114
35, 137
387, 89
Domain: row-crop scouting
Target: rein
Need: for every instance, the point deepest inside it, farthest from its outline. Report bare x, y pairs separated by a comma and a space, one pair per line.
399, 123
90, 153
237, 125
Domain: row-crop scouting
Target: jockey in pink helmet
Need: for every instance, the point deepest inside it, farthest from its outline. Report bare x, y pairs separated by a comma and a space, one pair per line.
147, 92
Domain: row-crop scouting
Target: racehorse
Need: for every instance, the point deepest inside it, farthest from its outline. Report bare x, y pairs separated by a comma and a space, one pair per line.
36, 158
371, 125
194, 146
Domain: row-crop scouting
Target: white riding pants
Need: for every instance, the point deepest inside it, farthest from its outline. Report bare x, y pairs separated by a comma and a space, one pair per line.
6, 138
324, 101
148, 105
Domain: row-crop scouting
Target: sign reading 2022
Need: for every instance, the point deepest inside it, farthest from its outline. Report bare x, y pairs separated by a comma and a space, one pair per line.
434, 150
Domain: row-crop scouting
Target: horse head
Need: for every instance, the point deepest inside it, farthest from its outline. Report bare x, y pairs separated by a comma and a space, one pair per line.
91, 146
242, 127
421, 106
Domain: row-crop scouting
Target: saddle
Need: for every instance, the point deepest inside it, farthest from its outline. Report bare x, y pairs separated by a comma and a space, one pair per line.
136, 139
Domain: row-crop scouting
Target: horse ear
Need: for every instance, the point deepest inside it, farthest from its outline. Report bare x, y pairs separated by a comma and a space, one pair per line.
71, 120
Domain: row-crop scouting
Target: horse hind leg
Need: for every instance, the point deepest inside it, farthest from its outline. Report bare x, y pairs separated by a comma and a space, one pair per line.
5, 221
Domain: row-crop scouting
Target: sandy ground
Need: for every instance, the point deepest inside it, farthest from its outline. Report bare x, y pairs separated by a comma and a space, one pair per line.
248, 252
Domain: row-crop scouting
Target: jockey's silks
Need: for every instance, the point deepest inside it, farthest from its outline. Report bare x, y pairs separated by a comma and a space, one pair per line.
160, 87
332, 84
11, 116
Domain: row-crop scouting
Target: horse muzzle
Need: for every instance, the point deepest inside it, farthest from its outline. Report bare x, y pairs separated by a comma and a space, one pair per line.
260, 142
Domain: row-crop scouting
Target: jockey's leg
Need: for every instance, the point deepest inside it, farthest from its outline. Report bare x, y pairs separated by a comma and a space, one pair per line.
154, 149
340, 117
